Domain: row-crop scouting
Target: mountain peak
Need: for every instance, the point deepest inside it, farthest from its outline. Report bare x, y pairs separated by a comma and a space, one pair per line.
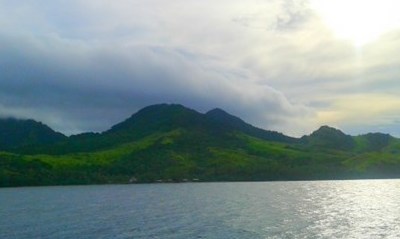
162, 106
216, 111
325, 129
329, 137
157, 117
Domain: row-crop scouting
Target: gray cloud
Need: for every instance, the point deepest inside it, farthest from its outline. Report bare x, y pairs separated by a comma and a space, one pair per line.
80, 87
85, 65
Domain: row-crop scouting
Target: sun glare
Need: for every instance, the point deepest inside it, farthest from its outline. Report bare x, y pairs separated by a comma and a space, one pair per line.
359, 21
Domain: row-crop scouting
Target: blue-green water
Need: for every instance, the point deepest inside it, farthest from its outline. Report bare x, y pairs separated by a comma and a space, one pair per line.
318, 209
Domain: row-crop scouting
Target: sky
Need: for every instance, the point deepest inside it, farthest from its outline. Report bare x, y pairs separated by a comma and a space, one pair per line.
284, 65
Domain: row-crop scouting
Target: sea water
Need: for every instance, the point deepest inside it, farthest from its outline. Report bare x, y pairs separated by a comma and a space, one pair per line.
302, 209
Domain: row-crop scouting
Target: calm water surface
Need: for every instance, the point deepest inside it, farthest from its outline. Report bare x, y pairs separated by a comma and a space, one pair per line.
319, 209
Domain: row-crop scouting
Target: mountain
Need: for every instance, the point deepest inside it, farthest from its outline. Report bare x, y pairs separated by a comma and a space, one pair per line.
330, 138
165, 117
172, 143
374, 141
151, 119
16, 133
157, 119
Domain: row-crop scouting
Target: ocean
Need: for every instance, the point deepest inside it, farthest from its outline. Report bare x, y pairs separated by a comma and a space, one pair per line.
301, 209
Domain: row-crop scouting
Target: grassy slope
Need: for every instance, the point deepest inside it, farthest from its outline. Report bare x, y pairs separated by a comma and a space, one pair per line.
381, 163
76, 168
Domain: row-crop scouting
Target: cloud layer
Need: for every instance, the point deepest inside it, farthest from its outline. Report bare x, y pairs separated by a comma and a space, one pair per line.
85, 65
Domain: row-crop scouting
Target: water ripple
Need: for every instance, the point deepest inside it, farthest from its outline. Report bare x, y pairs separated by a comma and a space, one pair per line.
318, 209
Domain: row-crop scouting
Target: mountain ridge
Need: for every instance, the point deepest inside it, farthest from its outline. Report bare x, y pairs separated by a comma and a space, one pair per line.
164, 117
173, 143
216, 114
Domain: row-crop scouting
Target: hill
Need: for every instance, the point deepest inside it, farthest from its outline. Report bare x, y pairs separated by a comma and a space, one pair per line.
172, 143
15, 133
329, 138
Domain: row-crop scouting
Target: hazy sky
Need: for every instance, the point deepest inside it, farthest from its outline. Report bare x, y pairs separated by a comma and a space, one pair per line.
286, 65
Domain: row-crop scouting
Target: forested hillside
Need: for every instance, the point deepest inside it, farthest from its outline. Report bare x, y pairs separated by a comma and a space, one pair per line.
171, 143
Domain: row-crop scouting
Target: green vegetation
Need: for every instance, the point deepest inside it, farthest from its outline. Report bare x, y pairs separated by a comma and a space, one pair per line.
171, 143
18, 133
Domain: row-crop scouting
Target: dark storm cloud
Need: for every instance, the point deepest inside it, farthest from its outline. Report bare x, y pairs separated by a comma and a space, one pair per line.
80, 87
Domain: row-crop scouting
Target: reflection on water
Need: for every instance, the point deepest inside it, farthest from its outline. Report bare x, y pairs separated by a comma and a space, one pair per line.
356, 209
318, 209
